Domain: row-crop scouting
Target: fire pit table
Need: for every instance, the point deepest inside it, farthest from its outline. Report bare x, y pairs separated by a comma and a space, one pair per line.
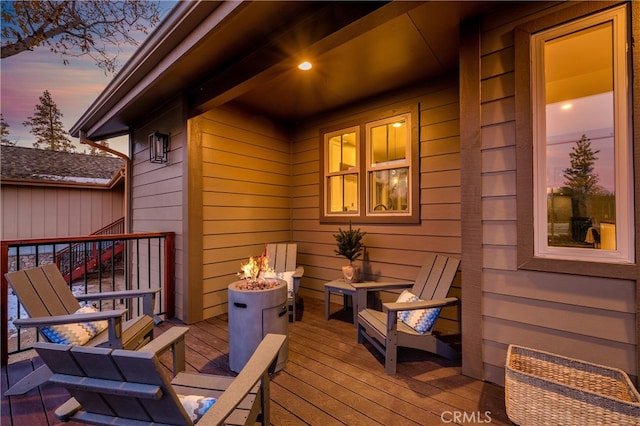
256, 309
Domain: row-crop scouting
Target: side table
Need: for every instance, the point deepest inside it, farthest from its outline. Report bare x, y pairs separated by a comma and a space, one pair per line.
346, 289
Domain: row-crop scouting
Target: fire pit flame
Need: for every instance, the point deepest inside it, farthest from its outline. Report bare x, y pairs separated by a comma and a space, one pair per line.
257, 273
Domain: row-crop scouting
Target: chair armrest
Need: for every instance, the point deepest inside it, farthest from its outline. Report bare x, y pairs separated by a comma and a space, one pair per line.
421, 304
377, 286
123, 294
362, 289
255, 370
171, 339
148, 296
69, 319
299, 272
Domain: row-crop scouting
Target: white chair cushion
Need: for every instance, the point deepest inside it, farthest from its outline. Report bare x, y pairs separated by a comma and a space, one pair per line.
421, 320
76, 333
288, 277
196, 406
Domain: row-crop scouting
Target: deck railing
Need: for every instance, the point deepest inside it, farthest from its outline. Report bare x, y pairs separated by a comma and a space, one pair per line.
124, 261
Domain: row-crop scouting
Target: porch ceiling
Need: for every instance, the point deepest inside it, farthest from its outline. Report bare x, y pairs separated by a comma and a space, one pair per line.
411, 46
218, 52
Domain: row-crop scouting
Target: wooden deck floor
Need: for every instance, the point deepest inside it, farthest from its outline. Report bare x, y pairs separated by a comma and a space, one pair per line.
329, 380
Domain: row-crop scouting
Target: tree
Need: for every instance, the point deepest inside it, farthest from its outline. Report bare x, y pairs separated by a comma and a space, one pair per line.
580, 178
4, 132
96, 28
46, 126
99, 152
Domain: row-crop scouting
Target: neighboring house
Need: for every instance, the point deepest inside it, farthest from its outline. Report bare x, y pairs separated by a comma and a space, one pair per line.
261, 151
48, 194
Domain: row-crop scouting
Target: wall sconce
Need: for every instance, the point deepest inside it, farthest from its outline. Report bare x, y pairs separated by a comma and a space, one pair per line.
158, 147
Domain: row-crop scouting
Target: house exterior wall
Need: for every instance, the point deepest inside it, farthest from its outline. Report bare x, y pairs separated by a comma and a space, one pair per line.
392, 251
159, 192
51, 212
577, 315
246, 196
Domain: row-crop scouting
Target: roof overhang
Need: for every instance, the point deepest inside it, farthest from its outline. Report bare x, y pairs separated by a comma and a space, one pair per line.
209, 53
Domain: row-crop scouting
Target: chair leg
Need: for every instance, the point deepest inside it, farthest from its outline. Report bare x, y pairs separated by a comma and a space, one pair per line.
34, 379
391, 352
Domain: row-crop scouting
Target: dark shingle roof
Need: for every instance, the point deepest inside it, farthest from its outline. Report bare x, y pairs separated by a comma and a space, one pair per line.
55, 166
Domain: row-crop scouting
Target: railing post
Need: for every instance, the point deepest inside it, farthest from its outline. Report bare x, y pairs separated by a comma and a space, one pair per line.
169, 274
4, 305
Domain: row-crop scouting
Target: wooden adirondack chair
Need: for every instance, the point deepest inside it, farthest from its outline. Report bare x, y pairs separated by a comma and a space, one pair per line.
282, 258
120, 387
48, 300
383, 329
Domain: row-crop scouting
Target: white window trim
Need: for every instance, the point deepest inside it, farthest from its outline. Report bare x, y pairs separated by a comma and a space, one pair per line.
388, 165
352, 170
624, 252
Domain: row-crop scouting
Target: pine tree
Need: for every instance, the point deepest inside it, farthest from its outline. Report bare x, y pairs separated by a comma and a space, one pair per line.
99, 152
4, 132
46, 126
580, 177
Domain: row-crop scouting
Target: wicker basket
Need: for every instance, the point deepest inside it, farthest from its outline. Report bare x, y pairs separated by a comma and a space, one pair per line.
546, 389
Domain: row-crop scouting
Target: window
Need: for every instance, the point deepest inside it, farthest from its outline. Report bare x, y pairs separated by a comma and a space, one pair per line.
370, 170
388, 166
342, 171
582, 141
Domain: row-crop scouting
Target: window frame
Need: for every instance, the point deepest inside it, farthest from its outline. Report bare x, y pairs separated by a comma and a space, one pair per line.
371, 167
624, 252
327, 174
525, 114
364, 215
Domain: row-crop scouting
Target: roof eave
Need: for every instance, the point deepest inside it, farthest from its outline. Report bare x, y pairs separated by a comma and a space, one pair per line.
149, 63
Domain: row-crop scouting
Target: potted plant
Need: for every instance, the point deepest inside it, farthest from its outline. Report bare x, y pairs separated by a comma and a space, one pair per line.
349, 242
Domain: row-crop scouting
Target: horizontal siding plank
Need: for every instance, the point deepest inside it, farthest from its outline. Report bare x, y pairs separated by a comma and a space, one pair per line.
499, 184
245, 175
440, 179
500, 257
214, 199
499, 208
232, 186
440, 195
600, 351
503, 233
585, 321
447, 145
220, 227
245, 213
499, 135
498, 87
497, 63
498, 111
441, 211
563, 288
442, 130
499, 159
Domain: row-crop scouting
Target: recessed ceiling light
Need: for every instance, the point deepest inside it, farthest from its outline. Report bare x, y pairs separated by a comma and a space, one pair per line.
567, 106
305, 66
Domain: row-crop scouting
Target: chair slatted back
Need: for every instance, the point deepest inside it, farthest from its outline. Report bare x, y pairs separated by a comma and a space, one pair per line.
282, 256
115, 383
43, 291
435, 277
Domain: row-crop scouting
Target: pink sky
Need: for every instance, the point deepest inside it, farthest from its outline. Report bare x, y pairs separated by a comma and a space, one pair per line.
73, 87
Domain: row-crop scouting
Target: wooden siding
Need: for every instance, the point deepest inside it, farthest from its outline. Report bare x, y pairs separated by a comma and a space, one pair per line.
44, 212
158, 192
392, 252
578, 316
246, 196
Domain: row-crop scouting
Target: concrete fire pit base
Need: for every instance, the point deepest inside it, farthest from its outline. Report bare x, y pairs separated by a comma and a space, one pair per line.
252, 314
